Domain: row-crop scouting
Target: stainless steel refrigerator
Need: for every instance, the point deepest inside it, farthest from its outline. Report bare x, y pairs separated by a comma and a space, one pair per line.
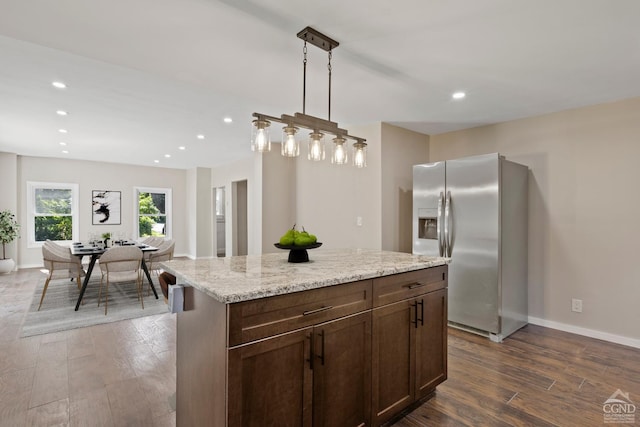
474, 210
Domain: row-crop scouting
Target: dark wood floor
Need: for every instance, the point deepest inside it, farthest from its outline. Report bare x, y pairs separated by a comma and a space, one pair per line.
123, 373
536, 377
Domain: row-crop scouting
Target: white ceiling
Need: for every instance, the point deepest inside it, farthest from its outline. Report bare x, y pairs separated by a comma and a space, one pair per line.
146, 76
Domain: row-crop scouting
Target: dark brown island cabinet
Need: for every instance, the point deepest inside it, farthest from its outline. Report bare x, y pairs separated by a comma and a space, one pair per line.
352, 354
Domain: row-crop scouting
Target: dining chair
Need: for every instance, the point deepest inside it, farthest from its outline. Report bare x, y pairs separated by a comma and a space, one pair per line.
121, 264
164, 253
153, 241
57, 258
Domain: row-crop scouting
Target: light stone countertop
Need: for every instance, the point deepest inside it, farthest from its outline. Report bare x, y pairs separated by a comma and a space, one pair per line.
242, 278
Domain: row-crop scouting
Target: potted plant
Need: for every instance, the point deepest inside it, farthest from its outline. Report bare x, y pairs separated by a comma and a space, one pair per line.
9, 228
106, 237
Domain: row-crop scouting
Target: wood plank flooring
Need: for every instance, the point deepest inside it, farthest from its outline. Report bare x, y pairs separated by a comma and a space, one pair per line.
123, 374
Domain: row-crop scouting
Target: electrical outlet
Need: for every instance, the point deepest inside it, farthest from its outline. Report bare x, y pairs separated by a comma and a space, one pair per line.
359, 221
576, 305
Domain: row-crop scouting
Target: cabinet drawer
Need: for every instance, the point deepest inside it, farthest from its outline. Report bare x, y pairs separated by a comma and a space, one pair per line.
389, 289
255, 319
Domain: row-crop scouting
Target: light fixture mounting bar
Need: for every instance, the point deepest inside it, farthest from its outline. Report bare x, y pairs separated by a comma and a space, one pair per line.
318, 39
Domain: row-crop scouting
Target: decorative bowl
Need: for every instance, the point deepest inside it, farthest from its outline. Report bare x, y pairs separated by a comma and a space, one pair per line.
298, 253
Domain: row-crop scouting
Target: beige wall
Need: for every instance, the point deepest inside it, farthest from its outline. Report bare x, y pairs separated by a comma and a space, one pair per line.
199, 197
204, 217
584, 209
329, 197
278, 197
9, 196
101, 176
249, 169
191, 198
401, 149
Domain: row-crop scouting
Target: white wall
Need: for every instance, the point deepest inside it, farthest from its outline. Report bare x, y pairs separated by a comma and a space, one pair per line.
401, 149
584, 209
101, 176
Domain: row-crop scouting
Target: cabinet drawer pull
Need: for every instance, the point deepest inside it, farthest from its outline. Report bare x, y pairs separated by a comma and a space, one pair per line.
415, 313
421, 304
322, 351
311, 350
317, 310
416, 285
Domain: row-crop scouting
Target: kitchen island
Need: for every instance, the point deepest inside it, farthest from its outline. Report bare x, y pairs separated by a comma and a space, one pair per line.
353, 337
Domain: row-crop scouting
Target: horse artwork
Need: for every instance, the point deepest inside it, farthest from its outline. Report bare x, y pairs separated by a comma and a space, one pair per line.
106, 207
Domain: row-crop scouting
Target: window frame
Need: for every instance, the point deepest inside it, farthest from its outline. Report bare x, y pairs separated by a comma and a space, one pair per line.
168, 210
32, 186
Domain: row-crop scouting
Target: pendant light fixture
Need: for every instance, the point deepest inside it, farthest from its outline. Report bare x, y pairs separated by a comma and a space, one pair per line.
339, 155
260, 139
290, 146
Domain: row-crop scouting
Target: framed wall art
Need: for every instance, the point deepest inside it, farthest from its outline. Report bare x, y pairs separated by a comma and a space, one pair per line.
106, 207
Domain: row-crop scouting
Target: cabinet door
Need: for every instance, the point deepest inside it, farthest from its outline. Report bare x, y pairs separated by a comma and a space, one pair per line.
393, 359
431, 342
342, 372
270, 382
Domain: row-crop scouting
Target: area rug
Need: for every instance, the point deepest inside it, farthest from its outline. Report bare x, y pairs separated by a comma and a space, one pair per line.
58, 314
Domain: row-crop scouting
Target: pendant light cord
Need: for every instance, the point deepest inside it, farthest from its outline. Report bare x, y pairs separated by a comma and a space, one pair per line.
329, 68
304, 78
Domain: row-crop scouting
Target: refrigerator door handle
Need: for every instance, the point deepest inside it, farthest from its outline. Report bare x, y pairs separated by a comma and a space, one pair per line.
448, 232
440, 224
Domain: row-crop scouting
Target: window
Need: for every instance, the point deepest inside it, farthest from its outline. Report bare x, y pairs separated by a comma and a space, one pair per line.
52, 212
153, 211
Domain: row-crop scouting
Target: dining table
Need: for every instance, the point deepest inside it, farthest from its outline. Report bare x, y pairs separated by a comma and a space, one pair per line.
95, 251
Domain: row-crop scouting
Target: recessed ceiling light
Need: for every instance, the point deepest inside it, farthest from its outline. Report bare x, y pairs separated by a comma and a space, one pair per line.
167, 155
59, 85
228, 120
63, 143
65, 151
62, 130
61, 113
182, 148
200, 136
458, 95
156, 161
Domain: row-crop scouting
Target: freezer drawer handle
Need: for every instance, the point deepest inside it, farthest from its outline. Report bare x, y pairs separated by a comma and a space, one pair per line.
317, 310
416, 285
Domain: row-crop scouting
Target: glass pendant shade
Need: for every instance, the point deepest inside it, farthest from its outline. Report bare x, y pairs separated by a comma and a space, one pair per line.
360, 154
316, 146
260, 139
339, 153
290, 147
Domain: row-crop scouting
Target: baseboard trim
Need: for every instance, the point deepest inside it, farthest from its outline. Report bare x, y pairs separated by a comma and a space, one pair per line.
618, 339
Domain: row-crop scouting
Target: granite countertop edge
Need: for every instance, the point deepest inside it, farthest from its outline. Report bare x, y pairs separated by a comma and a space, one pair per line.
227, 286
